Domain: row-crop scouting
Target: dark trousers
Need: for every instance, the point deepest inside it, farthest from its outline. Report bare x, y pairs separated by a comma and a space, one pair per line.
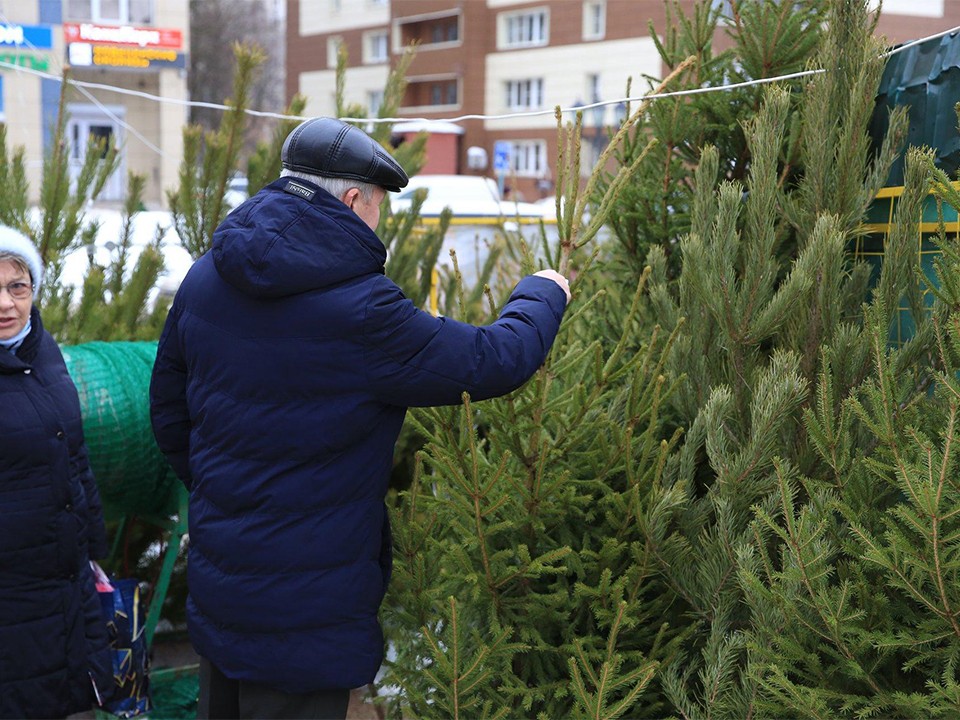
224, 699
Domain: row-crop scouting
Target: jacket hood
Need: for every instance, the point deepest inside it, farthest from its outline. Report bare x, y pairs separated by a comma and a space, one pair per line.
292, 237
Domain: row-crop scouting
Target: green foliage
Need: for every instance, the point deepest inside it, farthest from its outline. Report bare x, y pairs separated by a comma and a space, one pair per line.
461, 681
114, 301
767, 299
769, 38
263, 166
413, 249
613, 694
209, 160
726, 496
851, 577
513, 488
411, 154
526, 510
57, 227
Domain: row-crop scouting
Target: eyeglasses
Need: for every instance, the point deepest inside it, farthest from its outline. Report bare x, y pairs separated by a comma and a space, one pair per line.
18, 290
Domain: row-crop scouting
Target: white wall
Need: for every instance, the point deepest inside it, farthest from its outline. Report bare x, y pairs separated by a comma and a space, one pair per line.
326, 16
564, 70
320, 86
916, 8
509, 3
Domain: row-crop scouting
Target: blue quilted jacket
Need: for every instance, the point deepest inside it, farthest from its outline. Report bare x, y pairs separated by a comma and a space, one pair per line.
53, 638
282, 379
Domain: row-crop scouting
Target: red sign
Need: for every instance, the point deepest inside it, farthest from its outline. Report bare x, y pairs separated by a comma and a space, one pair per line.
123, 35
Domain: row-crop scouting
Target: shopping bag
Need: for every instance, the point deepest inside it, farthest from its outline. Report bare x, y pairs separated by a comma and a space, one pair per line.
123, 611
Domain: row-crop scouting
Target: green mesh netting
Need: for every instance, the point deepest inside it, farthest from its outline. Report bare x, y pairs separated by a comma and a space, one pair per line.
113, 380
175, 698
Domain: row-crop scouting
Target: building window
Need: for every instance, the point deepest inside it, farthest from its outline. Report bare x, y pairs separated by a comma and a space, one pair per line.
443, 93
594, 19
446, 30
135, 12
528, 158
376, 47
525, 94
593, 88
374, 102
529, 28
432, 92
428, 32
333, 48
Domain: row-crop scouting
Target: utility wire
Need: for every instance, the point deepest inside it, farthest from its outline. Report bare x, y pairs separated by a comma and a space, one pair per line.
81, 84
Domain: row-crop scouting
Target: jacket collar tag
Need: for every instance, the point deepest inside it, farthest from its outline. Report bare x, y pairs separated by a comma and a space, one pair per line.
295, 188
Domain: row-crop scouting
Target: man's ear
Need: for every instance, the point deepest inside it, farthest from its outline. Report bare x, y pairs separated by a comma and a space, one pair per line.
350, 197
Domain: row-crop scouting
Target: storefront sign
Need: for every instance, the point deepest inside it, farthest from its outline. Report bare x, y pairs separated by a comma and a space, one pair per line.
145, 37
87, 55
34, 37
25, 60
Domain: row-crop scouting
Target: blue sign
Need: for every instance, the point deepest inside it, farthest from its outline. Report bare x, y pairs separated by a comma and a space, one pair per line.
501, 156
27, 37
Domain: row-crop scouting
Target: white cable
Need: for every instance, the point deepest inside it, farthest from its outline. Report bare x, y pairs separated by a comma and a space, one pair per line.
121, 122
535, 113
910, 44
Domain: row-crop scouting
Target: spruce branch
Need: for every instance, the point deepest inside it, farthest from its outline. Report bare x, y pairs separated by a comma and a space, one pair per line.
600, 702
567, 173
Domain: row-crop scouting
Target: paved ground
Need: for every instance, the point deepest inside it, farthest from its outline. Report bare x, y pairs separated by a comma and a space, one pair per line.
174, 651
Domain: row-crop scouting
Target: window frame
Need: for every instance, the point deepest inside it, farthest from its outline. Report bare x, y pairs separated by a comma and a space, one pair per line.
590, 7
529, 89
443, 80
375, 100
505, 23
369, 38
522, 149
95, 13
454, 15
333, 49
594, 83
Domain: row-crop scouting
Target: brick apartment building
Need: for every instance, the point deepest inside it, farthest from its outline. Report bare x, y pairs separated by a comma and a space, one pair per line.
499, 57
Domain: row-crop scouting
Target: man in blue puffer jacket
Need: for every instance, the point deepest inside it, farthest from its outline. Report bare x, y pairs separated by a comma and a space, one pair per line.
281, 382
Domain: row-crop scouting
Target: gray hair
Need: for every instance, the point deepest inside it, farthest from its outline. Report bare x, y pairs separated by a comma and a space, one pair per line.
333, 185
18, 261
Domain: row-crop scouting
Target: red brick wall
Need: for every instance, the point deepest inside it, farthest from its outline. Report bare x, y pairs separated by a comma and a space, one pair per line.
478, 32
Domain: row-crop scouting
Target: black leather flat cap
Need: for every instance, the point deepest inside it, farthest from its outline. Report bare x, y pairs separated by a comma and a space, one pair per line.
330, 148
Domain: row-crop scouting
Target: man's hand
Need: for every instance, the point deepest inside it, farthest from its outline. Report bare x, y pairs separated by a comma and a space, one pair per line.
558, 279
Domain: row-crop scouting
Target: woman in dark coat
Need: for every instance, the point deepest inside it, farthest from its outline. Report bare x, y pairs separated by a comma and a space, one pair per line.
54, 652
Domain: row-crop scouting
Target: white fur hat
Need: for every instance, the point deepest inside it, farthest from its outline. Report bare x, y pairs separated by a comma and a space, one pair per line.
14, 241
